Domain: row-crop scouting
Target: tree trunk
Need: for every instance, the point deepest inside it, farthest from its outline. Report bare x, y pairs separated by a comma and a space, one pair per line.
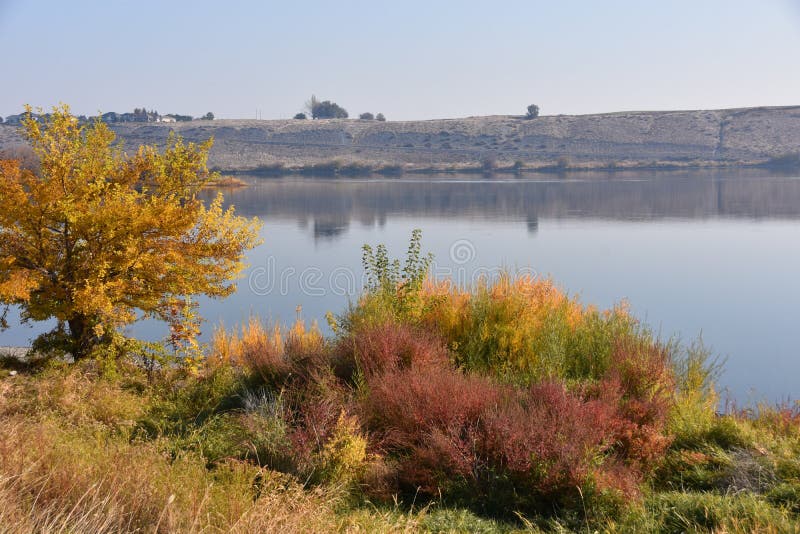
82, 334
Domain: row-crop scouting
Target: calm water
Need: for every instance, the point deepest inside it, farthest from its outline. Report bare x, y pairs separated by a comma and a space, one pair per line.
713, 253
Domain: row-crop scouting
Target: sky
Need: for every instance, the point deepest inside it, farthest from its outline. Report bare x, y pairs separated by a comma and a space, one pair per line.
410, 59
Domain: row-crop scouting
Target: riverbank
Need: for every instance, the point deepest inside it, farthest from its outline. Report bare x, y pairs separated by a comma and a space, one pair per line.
504, 408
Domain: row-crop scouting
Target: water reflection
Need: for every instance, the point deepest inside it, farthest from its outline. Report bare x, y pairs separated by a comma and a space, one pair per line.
711, 252
331, 205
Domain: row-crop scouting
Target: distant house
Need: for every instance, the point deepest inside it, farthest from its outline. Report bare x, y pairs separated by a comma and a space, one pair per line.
166, 118
111, 116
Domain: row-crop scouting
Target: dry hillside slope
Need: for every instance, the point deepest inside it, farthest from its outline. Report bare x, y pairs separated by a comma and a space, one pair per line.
716, 137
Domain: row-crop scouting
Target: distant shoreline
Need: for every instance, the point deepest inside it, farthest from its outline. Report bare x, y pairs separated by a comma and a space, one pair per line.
659, 140
343, 169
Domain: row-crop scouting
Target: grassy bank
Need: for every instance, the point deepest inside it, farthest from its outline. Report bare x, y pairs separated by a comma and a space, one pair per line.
503, 407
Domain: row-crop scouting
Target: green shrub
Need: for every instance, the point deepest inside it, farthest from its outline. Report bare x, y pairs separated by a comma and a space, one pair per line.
525, 329
694, 421
220, 437
179, 407
393, 292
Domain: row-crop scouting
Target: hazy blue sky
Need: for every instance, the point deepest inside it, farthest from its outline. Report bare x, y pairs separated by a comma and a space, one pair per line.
409, 59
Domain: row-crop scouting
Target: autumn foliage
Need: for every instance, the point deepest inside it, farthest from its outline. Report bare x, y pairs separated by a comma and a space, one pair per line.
460, 397
97, 236
509, 398
503, 446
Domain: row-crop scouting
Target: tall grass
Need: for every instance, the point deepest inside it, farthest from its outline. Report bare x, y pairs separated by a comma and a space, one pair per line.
89, 475
525, 329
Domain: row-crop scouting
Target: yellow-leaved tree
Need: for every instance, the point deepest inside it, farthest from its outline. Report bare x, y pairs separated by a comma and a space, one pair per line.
98, 239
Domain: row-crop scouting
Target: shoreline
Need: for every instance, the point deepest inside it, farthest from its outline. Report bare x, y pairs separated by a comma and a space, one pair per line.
362, 169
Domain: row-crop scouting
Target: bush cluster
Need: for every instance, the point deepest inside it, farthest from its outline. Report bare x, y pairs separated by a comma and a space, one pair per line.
506, 397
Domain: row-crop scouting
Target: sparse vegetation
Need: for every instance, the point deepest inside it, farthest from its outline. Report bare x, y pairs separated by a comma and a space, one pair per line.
367, 116
300, 116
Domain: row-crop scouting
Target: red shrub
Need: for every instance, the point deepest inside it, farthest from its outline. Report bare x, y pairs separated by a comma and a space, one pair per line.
380, 348
443, 431
314, 410
546, 437
429, 419
638, 388
311, 429
449, 431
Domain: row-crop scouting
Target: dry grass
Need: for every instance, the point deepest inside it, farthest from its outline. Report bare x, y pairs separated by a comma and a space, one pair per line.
53, 480
71, 461
70, 464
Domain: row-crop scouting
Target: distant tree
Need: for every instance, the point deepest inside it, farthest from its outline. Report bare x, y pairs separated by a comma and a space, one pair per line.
489, 163
325, 109
533, 111
300, 116
367, 116
380, 117
208, 116
311, 104
179, 118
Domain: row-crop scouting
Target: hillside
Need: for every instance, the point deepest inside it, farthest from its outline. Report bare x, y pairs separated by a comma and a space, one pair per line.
628, 139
